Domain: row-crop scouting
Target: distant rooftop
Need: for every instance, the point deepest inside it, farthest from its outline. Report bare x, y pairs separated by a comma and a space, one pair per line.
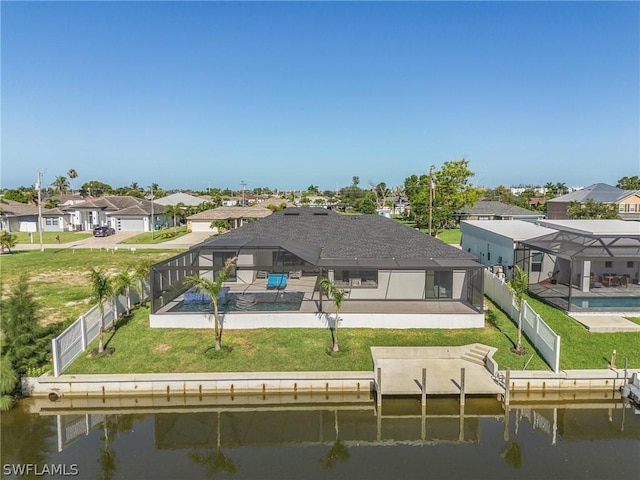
598, 192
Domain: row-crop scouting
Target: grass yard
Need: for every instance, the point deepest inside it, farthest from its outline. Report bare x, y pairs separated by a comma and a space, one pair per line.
59, 277
140, 349
159, 236
581, 349
50, 237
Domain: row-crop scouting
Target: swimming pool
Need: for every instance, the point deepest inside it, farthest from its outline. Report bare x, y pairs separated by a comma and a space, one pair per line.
606, 302
247, 302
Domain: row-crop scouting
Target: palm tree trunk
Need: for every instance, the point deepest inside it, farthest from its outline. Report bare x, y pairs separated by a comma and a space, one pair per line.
519, 341
336, 347
217, 331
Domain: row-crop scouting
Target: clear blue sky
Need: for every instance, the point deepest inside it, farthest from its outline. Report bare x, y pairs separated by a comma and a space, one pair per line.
288, 94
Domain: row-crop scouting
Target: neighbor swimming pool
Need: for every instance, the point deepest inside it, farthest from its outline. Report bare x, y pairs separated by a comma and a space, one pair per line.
247, 302
606, 302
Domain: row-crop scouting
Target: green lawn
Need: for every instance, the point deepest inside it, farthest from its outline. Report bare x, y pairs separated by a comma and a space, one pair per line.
581, 349
140, 349
451, 236
50, 237
58, 277
59, 280
159, 236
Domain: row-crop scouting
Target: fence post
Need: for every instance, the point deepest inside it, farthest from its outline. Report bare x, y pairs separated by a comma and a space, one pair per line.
56, 357
83, 333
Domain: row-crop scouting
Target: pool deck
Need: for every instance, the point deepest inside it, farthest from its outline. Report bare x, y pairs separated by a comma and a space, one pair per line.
558, 295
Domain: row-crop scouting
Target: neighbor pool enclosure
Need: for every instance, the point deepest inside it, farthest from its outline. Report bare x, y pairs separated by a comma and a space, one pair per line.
280, 278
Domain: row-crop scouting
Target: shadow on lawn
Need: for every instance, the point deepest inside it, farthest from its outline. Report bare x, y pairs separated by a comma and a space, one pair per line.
492, 319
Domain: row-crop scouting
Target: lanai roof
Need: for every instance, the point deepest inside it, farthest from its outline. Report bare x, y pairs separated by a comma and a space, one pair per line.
325, 238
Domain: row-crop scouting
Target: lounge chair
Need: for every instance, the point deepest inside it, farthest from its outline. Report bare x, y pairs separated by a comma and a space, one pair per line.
277, 280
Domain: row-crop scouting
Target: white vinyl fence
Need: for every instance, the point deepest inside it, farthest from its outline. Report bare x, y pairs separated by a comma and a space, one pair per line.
543, 338
67, 346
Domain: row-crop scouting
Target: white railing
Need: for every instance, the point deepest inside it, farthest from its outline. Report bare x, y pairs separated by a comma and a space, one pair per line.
543, 338
67, 346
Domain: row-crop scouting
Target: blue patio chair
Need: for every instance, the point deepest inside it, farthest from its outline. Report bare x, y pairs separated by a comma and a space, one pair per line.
276, 280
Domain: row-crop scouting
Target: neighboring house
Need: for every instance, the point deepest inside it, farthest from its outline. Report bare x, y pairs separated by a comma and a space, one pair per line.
18, 217
55, 220
585, 265
64, 199
275, 201
394, 275
497, 245
589, 250
180, 197
235, 216
122, 213
233, 201
627, 201
492, 210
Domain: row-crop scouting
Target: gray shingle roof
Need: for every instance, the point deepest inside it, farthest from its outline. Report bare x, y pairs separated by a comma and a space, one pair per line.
489, 207
361, 240
598, 192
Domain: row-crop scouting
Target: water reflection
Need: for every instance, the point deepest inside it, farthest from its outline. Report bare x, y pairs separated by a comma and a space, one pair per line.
341, 437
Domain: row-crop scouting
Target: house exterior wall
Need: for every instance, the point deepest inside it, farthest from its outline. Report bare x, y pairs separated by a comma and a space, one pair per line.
53, 224
490, 248
243, 321
629, 208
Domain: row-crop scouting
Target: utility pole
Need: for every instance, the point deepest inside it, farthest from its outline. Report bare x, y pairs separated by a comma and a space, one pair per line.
432, 187
38, 188
153, 218
243, 185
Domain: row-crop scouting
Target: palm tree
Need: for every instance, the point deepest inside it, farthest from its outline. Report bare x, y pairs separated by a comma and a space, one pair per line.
140, 274
7, 241
60, 184
174, 211
213, 288
519, 284
338, 295
72, 174
123, 283
102, 289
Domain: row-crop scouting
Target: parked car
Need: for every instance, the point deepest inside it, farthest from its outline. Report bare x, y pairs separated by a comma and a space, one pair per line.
103, 231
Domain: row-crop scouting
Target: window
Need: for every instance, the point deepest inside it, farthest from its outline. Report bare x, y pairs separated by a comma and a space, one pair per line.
632, 207
629, 264
356, 278
608, 264
439, 284
621, 207
536, 262
50, 221
282, 258
219, 259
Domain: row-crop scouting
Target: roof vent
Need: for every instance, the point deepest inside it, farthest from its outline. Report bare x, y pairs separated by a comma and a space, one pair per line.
325, 213
293, 212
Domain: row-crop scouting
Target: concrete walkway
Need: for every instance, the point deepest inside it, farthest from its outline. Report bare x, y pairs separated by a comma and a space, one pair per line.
606, 323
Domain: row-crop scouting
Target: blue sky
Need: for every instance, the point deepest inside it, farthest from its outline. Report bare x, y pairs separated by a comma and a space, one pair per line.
288, 94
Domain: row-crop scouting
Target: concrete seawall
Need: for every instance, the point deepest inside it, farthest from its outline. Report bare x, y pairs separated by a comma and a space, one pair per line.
171, 384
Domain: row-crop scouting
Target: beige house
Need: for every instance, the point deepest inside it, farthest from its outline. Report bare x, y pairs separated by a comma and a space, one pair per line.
235, 216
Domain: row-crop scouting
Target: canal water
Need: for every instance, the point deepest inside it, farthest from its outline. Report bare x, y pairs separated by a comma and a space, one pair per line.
324, 437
